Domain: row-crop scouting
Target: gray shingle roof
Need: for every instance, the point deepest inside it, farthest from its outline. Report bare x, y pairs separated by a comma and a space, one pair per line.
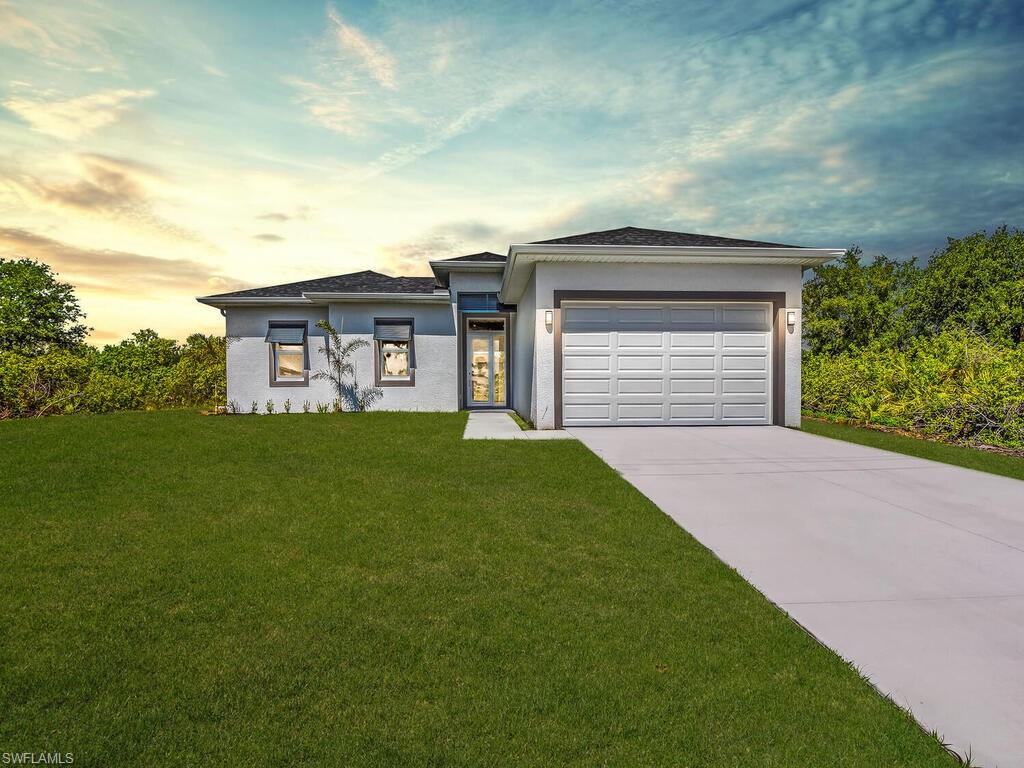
367, 281
485, 256
638, 236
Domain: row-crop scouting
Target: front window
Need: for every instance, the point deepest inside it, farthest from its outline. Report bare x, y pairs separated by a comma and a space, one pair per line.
288, 361
289, 353
393, 340
394, 360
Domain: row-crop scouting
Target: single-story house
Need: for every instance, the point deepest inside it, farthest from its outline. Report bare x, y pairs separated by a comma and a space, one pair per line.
621, 327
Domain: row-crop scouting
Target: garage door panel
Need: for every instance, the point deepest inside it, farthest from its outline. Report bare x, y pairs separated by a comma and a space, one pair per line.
640, 387
744, 411
691, 341
692, 363
629, 341
734, 386
593, 315
666, 364
744, 341
587, 362
587, 386
700, 315
639, 362
752, 318
594, 411
744, 362
589, 341
693, 386
627, 316
703, 411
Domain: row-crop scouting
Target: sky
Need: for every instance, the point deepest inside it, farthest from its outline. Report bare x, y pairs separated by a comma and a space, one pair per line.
151, 152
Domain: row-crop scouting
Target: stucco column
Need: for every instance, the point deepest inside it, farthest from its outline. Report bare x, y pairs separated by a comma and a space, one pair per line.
792, 362
544, 367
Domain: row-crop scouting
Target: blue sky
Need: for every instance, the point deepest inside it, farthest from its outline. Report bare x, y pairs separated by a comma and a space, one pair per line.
153, 151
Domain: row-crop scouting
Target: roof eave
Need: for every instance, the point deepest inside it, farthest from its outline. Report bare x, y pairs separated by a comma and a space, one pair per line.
524, 255
223, 302
438, 297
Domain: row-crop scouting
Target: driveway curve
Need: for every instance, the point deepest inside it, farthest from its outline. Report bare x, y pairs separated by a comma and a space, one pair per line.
910, 569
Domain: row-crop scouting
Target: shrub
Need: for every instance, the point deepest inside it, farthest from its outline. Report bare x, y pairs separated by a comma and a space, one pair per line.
955, 386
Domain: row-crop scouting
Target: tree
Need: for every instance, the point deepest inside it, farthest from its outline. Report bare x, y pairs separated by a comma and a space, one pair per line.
976, 283
37, 311
341, 372
849, 304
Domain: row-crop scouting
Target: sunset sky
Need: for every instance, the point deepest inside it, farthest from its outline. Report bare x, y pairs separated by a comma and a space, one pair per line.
152, 151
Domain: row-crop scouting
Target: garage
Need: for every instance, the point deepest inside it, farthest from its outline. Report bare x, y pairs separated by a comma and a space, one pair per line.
671, 363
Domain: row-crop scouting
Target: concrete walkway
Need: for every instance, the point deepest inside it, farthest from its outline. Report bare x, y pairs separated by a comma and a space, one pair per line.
497, 425
912, 570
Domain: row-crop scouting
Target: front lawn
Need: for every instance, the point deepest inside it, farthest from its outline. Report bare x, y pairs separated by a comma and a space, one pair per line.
972, 458
374, 591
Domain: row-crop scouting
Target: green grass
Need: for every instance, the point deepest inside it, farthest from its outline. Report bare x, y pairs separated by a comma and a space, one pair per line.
375, 591
972, 458
523, 423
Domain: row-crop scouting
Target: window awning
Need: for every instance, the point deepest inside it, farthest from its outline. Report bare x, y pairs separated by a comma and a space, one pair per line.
286, 334
392, 332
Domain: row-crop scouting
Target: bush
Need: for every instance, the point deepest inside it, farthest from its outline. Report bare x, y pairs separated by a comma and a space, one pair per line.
954, 386
144, 371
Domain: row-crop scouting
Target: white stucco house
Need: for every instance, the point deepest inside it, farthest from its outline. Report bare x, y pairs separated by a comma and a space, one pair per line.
621, 327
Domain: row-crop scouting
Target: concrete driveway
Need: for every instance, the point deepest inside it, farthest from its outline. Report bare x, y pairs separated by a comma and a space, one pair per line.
912, 570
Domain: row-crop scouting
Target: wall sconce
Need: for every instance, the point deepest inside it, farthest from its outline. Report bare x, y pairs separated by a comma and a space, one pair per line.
791, 317
549, 318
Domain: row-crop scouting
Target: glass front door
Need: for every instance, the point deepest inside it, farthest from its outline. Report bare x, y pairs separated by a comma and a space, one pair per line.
485, 363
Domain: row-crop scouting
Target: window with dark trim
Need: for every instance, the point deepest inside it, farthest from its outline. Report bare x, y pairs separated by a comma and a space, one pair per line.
394, 352
482, 302
289, 353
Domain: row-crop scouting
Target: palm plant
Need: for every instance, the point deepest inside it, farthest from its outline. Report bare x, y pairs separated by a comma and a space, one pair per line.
341, 371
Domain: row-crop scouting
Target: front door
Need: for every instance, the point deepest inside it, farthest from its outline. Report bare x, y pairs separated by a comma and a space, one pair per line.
485, 363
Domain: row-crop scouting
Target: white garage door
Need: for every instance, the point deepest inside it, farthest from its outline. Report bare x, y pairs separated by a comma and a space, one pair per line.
658, 364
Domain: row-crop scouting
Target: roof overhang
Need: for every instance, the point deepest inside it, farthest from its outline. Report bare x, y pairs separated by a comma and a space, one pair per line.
523, 257
224, 302
442, 269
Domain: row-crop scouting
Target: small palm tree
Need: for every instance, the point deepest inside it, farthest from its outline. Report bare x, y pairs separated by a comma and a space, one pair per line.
341, 371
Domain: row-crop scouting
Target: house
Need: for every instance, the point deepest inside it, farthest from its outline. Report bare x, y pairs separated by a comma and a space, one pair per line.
621, 327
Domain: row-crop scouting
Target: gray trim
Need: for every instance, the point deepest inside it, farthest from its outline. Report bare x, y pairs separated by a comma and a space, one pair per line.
377, 380
776, 298
304, 381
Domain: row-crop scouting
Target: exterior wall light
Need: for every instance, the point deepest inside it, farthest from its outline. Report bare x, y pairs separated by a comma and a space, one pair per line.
791, 317
549, 318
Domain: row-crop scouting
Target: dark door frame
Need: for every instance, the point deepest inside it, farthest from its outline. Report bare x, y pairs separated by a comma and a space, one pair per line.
464, 318
776, 298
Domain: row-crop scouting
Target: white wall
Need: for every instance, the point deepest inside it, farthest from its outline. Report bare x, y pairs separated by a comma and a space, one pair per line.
523, 340
436, 355
549, 277
249, 358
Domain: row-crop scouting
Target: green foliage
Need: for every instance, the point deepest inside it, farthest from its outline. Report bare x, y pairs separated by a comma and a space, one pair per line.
37, 311
341, 372
143, 371
977, 283
850, 304
956, 386
934, 350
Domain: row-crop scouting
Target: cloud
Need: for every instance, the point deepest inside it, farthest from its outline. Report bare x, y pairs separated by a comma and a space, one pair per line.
355, 46
112, 187
410, 257
215, 71
20, 32
116, 272
273, 216
71, 119
269, 237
